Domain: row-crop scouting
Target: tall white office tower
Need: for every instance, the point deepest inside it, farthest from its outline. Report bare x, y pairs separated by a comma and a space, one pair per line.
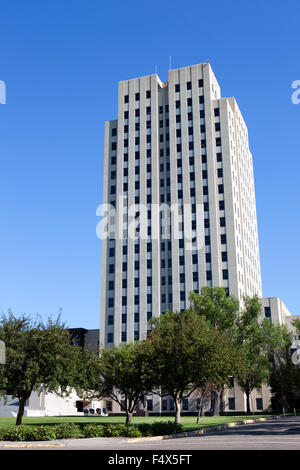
176, 147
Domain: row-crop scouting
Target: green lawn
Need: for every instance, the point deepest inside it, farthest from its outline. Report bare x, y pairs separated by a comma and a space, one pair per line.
188, 422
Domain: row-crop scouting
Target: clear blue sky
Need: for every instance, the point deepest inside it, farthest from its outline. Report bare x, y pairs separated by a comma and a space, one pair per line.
61, 61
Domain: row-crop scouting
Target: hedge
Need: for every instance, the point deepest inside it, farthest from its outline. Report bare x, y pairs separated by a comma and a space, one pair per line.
72, 430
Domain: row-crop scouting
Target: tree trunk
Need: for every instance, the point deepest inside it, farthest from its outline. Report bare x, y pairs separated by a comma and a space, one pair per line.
199, 414
215, 403
248, 401
128, 418
222, 402
178, 410
22, 401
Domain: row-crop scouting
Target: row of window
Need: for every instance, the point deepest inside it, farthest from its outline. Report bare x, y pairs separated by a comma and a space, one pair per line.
148, 92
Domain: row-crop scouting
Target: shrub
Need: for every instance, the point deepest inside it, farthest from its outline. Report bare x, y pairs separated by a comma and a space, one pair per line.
17, 433
28, 433
93, 430
40, 433
160, 428
116, 430
67, 430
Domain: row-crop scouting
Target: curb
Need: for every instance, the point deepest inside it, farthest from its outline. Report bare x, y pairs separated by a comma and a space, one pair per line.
198, 432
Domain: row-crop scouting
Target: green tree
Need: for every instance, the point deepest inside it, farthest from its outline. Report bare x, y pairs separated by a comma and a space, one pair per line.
216, 306
121, 376
258, 341
183, 353
221, 311
285, 374
38, 357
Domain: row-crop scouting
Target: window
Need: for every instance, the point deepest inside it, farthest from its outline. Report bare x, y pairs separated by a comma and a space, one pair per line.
110, 337
110, 320
150, 405
124, 336
224, 256
111, 268
201, 99
225, 274
188, 85
222, 222
222, 205
114, 131
111, 252
267, 312
217, 126
221, 188
137, 112
148, 94
126, 99
189, 101
126, 114
259, 404
219, 157
185, 404
177, 104
177, 88
223, 239
231, 403
111, 285
137, 97
208, 275
218, 141
217, 112
200, 83
208, 257
114, 146
220, 172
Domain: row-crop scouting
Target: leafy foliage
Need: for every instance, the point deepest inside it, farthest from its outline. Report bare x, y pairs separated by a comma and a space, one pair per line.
40, 357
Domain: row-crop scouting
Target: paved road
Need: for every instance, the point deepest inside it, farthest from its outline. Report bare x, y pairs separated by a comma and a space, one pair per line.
279, 434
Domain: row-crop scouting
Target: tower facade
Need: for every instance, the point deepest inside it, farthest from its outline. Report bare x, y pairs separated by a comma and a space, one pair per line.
179, 191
